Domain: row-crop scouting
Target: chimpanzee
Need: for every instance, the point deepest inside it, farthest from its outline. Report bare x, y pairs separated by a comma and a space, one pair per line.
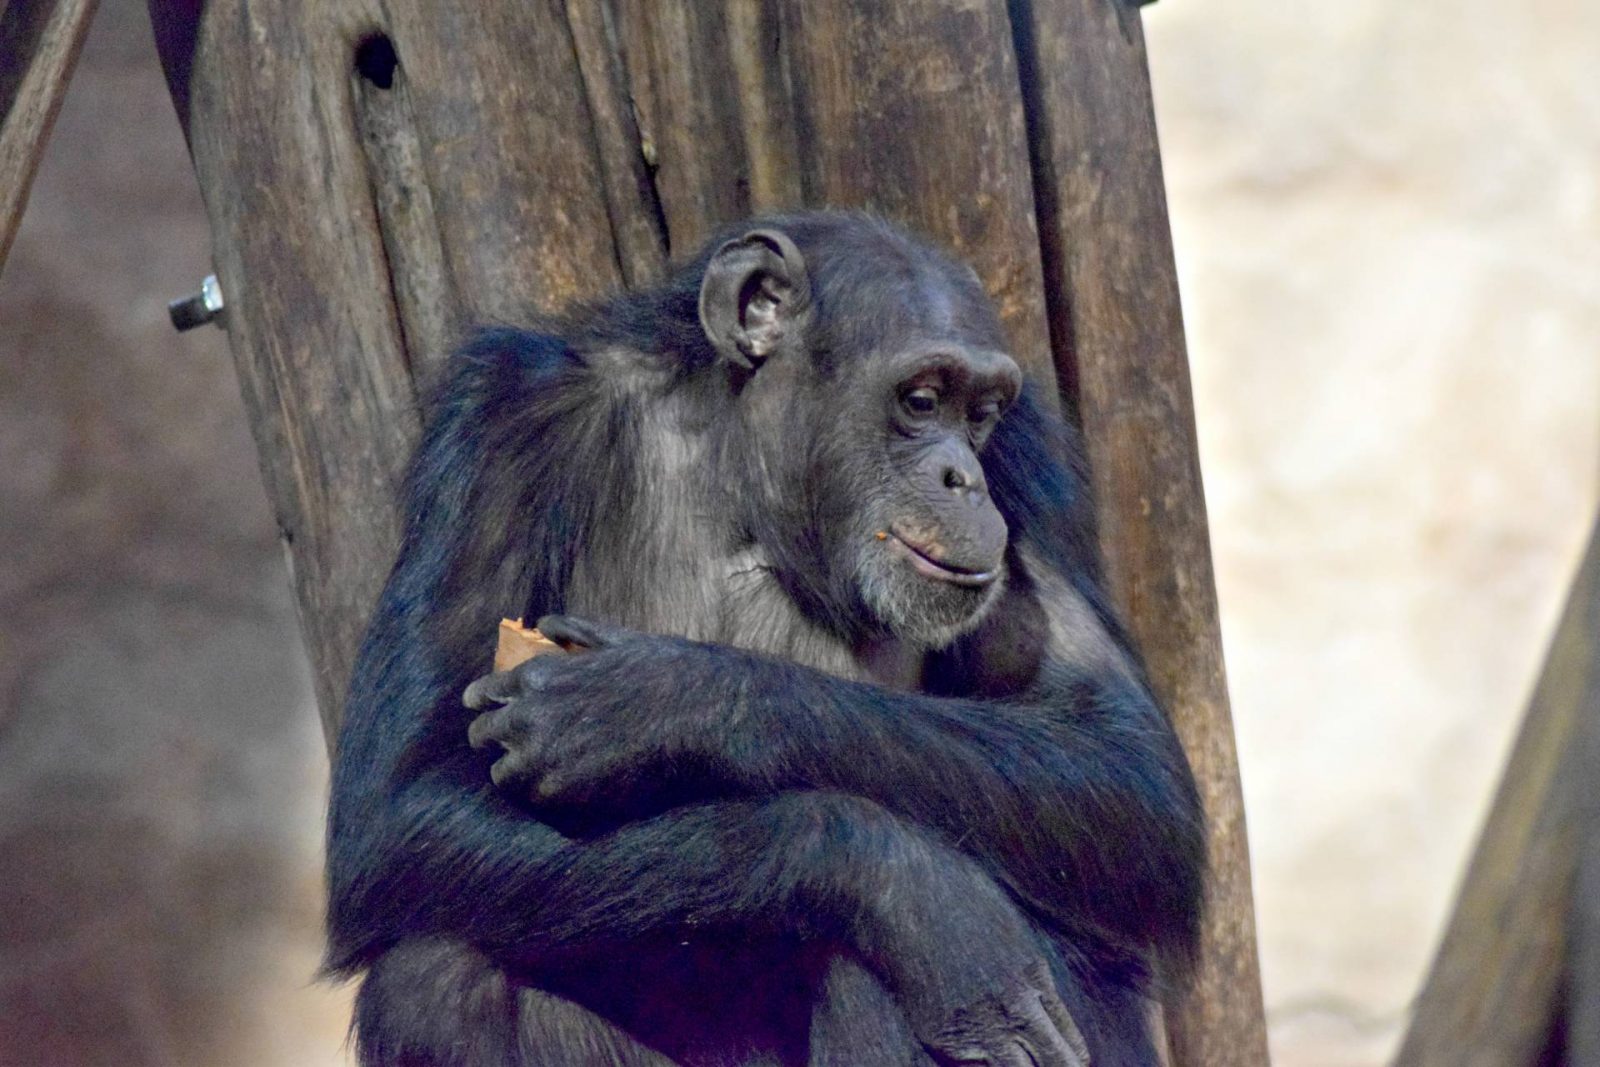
849, 762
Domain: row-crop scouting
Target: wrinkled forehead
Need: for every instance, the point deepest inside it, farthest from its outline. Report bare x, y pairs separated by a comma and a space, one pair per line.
882, 299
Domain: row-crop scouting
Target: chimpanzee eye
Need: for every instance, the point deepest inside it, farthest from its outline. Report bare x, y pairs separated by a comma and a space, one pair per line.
986, 412
920, 402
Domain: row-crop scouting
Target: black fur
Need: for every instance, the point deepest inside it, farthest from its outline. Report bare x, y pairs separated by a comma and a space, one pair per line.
784, 852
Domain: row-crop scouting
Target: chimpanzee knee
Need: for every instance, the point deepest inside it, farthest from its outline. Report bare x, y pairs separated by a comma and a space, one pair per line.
433, 1003
437, 1003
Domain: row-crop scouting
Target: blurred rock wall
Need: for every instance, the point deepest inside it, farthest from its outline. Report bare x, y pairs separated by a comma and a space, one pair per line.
1387, 219
1388, 227
162, 776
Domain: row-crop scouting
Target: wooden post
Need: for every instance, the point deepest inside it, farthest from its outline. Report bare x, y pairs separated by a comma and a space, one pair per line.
39, 46
1583, 953
1117, 330
515, 156
1496, 987
359, 216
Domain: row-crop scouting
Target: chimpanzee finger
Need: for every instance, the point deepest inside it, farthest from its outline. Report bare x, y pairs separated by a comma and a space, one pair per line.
555, 786
1045, 1042
487, 729
1065, 1025
1006, 1054
584, 633
521, 764
1018, 1055
498, 688
523, 759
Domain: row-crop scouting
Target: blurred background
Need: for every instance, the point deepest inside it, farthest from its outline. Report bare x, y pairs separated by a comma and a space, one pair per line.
1387, 220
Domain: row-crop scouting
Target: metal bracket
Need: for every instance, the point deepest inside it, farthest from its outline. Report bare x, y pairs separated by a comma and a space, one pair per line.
199, 308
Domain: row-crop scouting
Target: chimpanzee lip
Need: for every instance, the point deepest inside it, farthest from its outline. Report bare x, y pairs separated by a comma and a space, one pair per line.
931, 566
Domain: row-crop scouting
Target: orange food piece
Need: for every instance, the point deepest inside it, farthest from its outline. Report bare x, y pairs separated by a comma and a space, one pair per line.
519, 643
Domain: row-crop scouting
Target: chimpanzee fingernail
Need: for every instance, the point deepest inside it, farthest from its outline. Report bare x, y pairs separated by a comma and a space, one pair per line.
480, 732
482, 693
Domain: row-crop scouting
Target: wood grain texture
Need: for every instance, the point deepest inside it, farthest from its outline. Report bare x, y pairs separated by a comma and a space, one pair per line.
310, 313
682, 77
358, 227
759, 66
908, 109
912, 109
1117, 329
637, 226
423, 285
1583, 955
1497, 985
509, 152
1582, 994
39, 45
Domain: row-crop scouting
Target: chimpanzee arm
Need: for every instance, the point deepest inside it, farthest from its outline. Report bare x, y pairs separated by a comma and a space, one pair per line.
421, 844
1047, 758
1075, 793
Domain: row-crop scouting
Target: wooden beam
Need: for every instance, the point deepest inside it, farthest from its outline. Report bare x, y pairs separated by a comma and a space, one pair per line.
912, 109
1583, 954
311, 316
637, 225
1496, 986
1117, 329
682, 78
356, 224
39, 45
1583, 978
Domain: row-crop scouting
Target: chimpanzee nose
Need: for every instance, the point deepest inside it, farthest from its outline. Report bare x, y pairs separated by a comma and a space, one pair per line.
965, 479
951, 465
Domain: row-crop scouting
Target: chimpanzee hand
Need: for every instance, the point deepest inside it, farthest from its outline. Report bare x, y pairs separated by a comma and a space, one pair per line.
601, 730
985, 1000
1028, 1026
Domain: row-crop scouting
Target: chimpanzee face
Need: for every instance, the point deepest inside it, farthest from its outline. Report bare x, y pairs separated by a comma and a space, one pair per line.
928, 543
870, 388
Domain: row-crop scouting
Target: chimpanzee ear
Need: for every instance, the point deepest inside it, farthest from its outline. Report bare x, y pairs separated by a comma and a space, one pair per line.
755, 295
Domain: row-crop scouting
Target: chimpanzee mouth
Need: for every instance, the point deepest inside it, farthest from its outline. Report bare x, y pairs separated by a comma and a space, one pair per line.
929, 566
